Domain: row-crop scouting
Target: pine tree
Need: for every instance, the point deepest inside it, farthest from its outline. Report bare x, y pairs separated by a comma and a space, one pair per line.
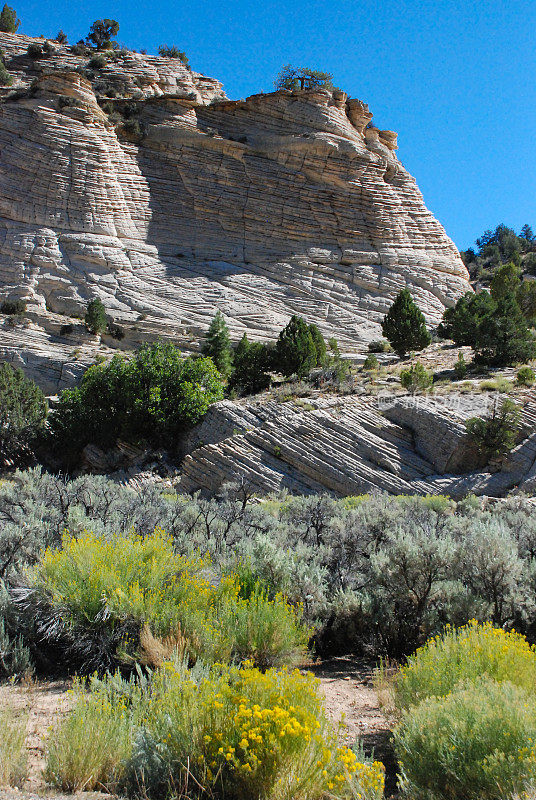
404, 325
506, 281
23, 410
295, 351
9, 21
217, 344
95, 318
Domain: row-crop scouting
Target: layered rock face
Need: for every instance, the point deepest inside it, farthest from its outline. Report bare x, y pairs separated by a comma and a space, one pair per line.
353, 445
169, 201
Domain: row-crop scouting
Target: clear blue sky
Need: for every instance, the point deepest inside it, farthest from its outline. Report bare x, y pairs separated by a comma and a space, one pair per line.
456, 80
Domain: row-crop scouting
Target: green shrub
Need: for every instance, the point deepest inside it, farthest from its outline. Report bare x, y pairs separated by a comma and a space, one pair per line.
379, 346
98, 61
416, 378
525, 376
404, 325
241, 733
15, 660
251, 363
13, 307
460, 367
302, 78
476, 743
23, 411
13, 756
95, 318
88, 749
153, 397
496, 434
35, 51
217, 344
503, 338
5, 77
371, 362
461, 322
320, 345
295, 351
463, 655
92, 583
167, 51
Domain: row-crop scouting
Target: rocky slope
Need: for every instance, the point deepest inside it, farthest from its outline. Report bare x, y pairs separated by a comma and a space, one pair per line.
169, 201
353, 445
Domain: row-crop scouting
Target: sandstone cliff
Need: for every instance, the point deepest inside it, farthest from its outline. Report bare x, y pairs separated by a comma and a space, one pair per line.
140, 183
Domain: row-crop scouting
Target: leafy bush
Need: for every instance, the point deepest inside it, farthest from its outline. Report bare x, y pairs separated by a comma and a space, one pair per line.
95, 319
404, 325
251, 362
91, 584
167, 51
416, 377
460, 367
525, 376
97, 61
371, 362
15, 660
241, 733
379, 346
152, 397
5, 77
477, 742
320, 345
463, 655
13, 756
9, 307
23, 411
35, 51
496, 434
295, 350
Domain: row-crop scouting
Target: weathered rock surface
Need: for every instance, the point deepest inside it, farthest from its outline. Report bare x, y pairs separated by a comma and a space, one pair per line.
352, 445
171, 201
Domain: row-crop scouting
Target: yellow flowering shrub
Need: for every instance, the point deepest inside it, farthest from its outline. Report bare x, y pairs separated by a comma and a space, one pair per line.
476, 743
94, 581
465, 654
245, 733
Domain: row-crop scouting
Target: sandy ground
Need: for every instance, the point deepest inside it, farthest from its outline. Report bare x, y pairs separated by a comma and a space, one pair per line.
346, 684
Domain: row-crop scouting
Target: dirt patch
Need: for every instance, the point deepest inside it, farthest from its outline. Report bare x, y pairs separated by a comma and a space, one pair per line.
347, 685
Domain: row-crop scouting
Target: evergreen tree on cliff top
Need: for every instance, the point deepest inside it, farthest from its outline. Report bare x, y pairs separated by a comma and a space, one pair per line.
9, 21
217, 344
404, 325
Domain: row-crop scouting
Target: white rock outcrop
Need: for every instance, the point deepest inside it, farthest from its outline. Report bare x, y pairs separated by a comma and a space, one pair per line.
168, 201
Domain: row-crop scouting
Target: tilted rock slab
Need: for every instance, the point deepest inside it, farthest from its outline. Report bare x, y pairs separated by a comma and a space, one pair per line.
352, 445
171, 202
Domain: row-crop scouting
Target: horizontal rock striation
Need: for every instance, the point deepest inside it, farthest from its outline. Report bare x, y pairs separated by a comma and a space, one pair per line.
140, 183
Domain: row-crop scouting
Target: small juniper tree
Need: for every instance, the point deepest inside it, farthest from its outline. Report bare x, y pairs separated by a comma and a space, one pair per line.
217, 344
302, 78
95, 318
101, 32
61, 37
295, 351
9, 21
404, 325
503, 337
496, 434
251, 362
